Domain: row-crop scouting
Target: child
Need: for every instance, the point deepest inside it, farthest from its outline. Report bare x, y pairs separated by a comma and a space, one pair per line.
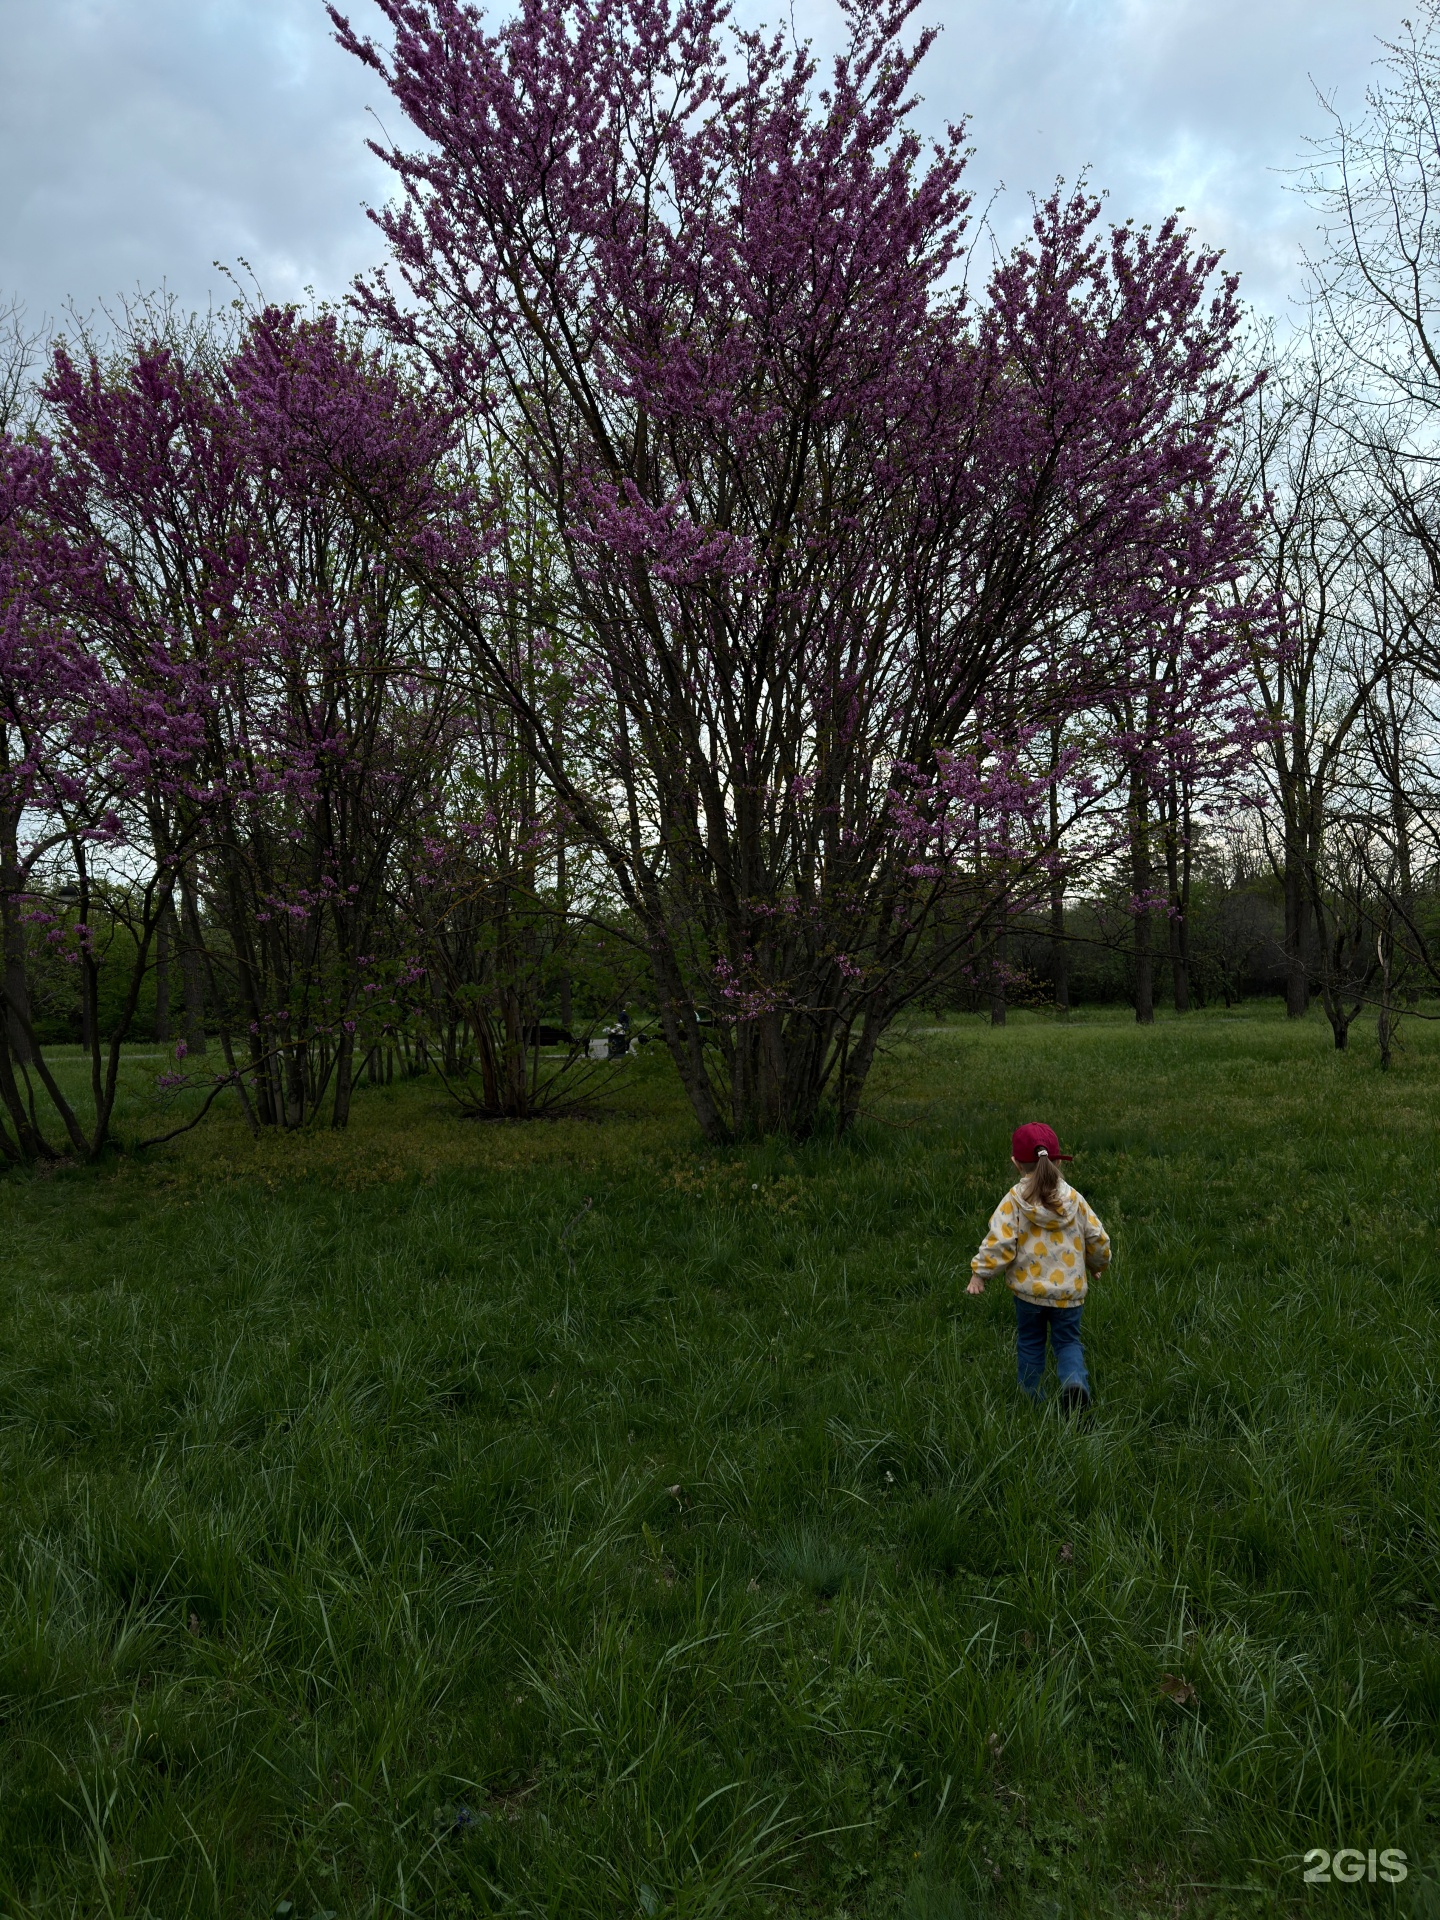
1044, 1237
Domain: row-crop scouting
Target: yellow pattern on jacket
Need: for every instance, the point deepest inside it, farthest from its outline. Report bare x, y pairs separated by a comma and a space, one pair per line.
1044, 1252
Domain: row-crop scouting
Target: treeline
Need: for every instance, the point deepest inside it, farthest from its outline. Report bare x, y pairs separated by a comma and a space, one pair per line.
1236, 952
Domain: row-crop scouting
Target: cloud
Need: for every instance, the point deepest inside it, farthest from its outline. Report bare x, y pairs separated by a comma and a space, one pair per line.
142, 139
1205, 104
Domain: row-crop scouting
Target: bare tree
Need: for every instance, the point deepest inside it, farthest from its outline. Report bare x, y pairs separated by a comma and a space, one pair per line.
1376, 285
1321, 513
22, 351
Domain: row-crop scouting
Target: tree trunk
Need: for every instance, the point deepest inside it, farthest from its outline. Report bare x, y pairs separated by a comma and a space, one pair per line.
32, 1144
1177, 878
191, 973
1059, 948
1179, 986
1143, 877
1341, 1019
90, 1004
252, 1119
17, 989
515, 1055
1182, 961
17, 983
1297, 937
294, 1085
563, 902
344, 1079
1339, 950
997, 977
682, 1037
15, 1048
1144, 971
162, 974
858, 1062
1059, 951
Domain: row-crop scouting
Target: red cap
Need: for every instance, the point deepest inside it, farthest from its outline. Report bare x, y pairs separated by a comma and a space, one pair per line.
1027, 1143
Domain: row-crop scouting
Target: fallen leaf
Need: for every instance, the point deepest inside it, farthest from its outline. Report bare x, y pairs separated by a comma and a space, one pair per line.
1067, 1554
1176, 1688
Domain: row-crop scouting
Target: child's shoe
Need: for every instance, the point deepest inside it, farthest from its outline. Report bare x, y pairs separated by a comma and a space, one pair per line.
1074, 1402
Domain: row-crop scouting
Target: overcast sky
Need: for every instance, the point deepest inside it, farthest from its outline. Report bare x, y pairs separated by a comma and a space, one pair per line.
140, 140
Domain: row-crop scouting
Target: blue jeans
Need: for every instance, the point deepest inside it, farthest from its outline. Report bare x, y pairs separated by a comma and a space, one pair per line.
1031, 1322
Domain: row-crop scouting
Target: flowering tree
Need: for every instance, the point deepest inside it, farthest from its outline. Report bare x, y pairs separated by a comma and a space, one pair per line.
817, 516
217, 673
336, 727
90, 743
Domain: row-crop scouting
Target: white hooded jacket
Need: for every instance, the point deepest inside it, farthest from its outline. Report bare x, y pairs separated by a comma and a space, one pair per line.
1045, 1253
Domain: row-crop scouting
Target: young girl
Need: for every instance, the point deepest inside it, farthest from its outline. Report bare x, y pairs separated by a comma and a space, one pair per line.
1045, 1237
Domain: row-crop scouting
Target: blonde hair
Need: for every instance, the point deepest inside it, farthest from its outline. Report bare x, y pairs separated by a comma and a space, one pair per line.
1042, 1181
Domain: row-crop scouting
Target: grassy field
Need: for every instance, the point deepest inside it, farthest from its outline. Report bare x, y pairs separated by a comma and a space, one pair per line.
569, 1521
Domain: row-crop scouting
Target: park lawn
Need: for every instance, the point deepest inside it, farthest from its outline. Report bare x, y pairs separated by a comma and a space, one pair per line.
569, 1520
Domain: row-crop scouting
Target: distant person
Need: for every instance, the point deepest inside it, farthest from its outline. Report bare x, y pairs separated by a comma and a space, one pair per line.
1045, 1238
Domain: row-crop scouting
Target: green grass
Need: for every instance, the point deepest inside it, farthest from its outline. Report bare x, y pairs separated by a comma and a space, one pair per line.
385, 1533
